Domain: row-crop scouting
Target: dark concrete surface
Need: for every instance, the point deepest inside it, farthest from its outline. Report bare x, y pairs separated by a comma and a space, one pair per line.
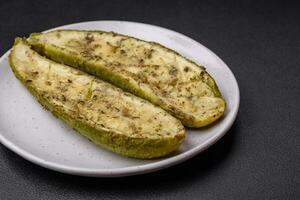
259, 158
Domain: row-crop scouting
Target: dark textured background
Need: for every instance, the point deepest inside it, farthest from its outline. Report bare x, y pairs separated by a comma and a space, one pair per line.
259, 158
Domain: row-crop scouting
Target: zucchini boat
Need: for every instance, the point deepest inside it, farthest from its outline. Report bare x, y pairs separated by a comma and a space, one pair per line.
146, 69
108, 116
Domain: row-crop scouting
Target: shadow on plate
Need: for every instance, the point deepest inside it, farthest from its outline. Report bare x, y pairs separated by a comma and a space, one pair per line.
170, 179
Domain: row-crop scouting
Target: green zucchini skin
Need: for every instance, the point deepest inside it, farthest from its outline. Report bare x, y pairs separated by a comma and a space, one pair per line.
108, 116
146, 69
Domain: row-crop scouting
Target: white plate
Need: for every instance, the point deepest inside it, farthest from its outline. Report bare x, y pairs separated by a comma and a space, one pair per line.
37, 136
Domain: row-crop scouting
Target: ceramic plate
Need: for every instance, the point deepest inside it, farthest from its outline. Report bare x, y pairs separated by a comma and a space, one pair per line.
31, 132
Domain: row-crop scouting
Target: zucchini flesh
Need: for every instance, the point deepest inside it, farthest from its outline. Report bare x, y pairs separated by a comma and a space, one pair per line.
145, 69
105, 114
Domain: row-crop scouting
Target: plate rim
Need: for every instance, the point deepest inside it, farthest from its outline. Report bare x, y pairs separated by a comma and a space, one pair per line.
132, 170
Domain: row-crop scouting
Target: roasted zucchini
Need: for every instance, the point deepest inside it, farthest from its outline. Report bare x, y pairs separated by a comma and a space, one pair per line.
108, 116
145, 69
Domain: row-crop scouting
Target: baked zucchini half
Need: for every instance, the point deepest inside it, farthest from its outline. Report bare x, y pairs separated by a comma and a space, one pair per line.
108, 116
146, 69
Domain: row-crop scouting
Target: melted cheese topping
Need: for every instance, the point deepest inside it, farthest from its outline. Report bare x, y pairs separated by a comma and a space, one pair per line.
92, 101
181, 87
